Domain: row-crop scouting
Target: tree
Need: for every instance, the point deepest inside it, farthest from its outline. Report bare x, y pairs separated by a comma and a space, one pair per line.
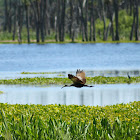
71, 17
20, 20
86, 20
6, 15
135, 24
110, 11
103, 17
92, 22
27, 20
39, 8
42, 18
137, 21
82, 19
57, 20
116, 8
62, 6
14, 18
73, 20
93, 16
63, 20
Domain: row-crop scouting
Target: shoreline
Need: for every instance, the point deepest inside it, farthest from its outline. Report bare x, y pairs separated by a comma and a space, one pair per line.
65, 42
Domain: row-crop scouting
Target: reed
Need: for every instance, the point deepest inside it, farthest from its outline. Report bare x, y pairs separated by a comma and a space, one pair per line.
22, 122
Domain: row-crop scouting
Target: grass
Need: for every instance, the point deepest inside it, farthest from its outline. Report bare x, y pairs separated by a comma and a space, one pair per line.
59, 75
62, 81
38, 72
66, 41
119, 121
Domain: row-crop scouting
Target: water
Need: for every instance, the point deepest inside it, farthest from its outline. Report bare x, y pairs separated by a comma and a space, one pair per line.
69, 57
96, 59
99, 95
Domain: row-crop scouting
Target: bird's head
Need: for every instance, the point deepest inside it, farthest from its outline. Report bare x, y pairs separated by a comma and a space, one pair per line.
65, 86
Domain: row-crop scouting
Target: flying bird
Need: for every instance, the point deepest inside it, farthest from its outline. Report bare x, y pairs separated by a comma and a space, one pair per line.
79, 80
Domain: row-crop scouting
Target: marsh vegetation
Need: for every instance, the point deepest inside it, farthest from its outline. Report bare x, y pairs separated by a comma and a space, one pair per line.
69, 122
62, 81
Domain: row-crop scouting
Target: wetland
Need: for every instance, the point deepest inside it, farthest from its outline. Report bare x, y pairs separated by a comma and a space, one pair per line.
36, 72
34, 105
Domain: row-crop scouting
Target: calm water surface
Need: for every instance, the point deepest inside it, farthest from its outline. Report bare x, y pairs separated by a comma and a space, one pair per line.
69, 57
99, 95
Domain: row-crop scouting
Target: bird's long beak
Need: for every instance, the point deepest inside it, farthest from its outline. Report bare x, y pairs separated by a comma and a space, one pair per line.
64, 86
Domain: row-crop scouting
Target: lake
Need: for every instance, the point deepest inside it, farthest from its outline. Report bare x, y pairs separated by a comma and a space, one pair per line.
69, 57
96, 59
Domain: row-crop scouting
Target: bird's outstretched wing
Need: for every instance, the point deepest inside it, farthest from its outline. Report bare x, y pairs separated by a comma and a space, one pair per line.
79, 78
81, 75
75, 79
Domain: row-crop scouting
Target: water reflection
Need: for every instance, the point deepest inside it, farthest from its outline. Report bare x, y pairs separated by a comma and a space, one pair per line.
99, 95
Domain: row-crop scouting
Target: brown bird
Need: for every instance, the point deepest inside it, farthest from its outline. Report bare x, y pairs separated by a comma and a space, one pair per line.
79, 80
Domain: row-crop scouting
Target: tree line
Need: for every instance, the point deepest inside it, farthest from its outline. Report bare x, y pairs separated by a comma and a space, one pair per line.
70, 18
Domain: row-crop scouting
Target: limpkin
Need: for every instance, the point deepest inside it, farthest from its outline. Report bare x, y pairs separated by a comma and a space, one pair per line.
79, 80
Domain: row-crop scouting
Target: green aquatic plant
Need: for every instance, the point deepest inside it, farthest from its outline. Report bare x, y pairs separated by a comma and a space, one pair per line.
60, 75
1, 92
119, 121
38, 72
62, 81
